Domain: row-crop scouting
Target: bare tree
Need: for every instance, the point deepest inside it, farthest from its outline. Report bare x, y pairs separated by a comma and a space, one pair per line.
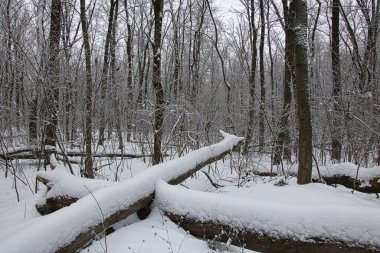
130, 71
52, 91
156, 82
252, 75
282, 148
104, 76
89, 171
336, 142
262, 79
302, 89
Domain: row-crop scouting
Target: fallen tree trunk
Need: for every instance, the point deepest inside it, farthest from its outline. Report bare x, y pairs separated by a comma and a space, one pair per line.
108, 155
63, 188
17, 150
32, 152
256, 241
370, 186
269, 226
366, 186
70, 228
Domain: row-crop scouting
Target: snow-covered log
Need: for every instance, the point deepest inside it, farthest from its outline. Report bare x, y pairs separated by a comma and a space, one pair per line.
34, 152
70, 228
23, 152
63, 188
269, 226
367, 186
365, 180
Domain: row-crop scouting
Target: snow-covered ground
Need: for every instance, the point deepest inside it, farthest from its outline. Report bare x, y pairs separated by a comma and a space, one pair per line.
351, 213
154, 234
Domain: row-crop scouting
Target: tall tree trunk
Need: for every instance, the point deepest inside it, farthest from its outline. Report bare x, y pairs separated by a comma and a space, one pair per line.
273, 85
302, 89
129, 78
104, 77
34, 102
252, 74
176, 71
336, 135
7, 98
262, 79
51, 102
282, 149
89, 172
196, 51
156, 82
115, 87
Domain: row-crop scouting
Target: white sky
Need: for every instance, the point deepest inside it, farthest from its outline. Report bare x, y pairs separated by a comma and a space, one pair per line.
226, 9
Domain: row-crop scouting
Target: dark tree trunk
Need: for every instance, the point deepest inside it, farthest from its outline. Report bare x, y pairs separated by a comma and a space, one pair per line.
8, 86
336, 135
176, 49
273, 84
89, 172
104, 77
251, 122
114, 84
302, 89
195, 63
130, 104
262, 80
282, 149
156, 82
51, 102
33, 120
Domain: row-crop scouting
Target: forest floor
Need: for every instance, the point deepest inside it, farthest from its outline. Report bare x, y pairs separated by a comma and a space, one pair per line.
353, 215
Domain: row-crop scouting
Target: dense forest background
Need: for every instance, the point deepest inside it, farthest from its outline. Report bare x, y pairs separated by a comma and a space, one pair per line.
171, 73
106, 105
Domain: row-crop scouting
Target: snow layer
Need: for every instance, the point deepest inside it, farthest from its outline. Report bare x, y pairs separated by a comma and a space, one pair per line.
65, 184
57, 229
347, 168
298, 212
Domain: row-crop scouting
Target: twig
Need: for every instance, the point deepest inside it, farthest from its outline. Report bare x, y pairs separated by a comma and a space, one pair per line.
101, 212
211, 181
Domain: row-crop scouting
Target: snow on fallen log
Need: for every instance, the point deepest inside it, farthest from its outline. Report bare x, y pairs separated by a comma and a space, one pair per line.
269, 226
70, 228
368, 179
63, 188
35, 152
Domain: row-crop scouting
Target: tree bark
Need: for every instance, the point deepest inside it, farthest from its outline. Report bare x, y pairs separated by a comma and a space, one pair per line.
251, 240
104, 77
156, 82
51, 100
282, 149
252, 75
262, 80
302, 89
89, 172
130, 104
336, 135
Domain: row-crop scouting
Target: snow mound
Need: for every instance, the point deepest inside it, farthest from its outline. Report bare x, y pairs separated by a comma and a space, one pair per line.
313, 212
63, 183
